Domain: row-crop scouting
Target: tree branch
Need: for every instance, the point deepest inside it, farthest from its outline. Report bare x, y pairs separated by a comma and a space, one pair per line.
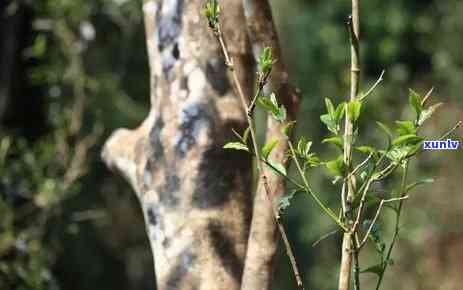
373, 222
347, 246
245, 107
263, 242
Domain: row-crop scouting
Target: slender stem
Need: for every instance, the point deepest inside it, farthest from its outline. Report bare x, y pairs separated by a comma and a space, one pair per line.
428, 94
325, 209
356, 262
458, 124
348, 249
229, 62
285, 176
358, 167
397, 224
362, 204
325, 236
378, 211
378, 81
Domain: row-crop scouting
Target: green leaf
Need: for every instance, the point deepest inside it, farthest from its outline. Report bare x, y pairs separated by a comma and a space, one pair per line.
300, 146
312, 160
397, 153
353, 110
329, 108
277, 166
339, 113
334, 140
267, 149
405, 128
287, 127
363, 175
366, 149
330, 123
414, 100
212, 12
426, 114
402, 152
265, 60
236, 146
281, 115
419, 182
303, 147
407, 139
39, 47
268, 104
413, 149
273, 99
385, 130
307, 147
376, 269
336, 167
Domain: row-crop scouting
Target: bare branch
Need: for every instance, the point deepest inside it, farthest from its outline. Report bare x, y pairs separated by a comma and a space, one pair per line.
218, 34
348, 250
378, 81
423, 102
378, 211
325, 236
359, 166
458, 124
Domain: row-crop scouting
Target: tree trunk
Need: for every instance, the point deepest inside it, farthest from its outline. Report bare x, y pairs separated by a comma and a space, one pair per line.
195, 196
264, 236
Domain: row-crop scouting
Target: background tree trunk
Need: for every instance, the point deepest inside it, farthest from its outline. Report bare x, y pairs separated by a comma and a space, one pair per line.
194, 195
264, 236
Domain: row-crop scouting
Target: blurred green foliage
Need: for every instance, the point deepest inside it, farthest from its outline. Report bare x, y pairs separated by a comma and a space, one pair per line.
85, 60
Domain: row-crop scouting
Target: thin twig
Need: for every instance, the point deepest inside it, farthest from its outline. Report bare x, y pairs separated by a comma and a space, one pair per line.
355, 259
427, 96
396, 226
378, 81
458, 124
325, 236
229, 63
343, 199
357, 168
325, 209
378, 211
261, 81
285, 176
362, 204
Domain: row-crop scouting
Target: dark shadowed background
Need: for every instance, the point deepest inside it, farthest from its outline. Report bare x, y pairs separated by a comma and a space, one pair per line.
71, 71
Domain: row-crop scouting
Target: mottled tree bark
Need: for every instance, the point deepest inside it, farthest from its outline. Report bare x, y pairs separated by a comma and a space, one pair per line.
195, 196
264, 237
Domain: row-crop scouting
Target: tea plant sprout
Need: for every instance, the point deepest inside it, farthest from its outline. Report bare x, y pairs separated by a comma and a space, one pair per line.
403, 142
